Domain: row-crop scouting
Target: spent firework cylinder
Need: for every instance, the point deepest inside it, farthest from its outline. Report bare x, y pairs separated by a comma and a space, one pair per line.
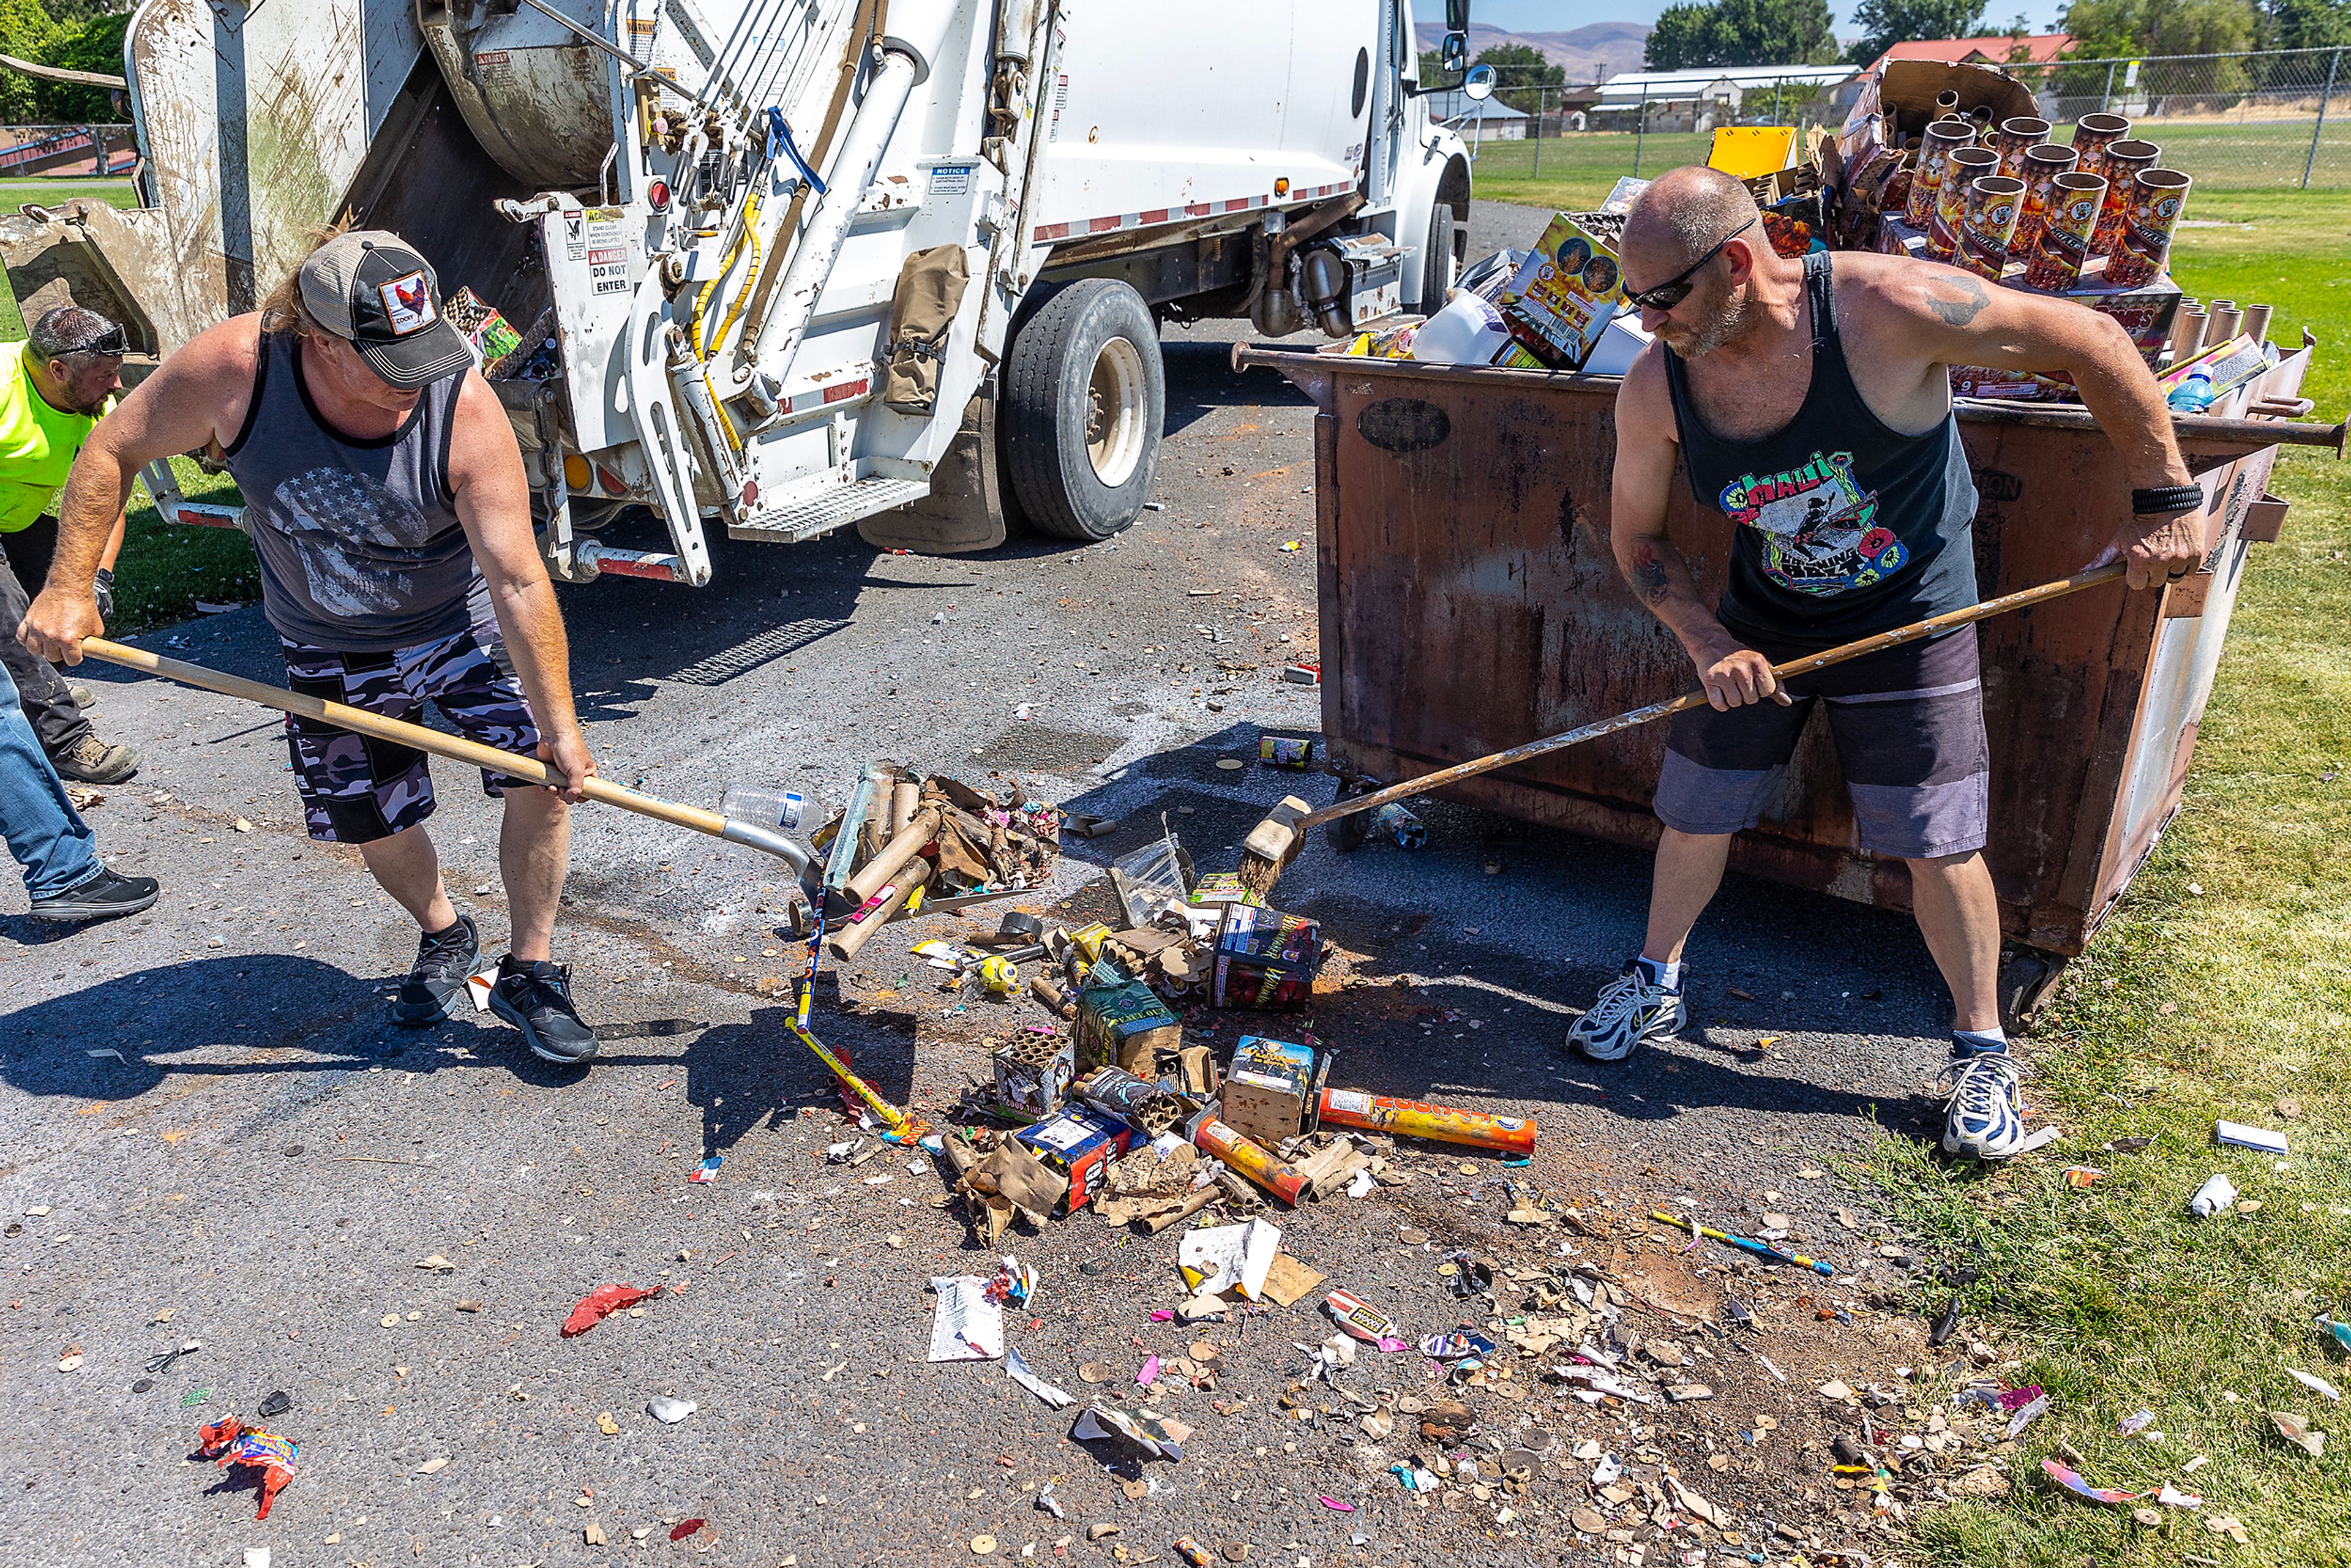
1946, 103
2186, 332
1412, 1119
2257, 323
2093, 134
2224, 317
2157, 195
1963, 167
1246, 1157
2042, 164
1935, 147
1987, 224
2123, 162
2064, 243
2014, 138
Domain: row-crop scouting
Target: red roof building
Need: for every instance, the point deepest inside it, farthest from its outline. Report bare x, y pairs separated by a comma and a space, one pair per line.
2039, 49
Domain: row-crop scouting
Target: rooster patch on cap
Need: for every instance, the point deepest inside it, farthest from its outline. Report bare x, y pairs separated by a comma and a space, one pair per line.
408, 304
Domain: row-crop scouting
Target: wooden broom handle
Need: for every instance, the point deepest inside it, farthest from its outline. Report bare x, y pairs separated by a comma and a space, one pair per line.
1946, 621
456, 748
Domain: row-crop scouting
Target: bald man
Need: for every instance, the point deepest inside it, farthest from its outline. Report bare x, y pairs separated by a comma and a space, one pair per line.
1810, 402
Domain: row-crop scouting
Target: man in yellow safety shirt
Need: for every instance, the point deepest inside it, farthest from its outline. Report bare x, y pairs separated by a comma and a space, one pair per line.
54, 389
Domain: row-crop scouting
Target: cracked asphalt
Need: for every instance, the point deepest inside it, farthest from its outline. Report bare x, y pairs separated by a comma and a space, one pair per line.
214, 1132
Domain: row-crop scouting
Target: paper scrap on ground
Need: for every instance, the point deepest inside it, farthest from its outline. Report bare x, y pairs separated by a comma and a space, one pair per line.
964, 1325
1216, 1260
2072, 1482
1155, 1436
2315, 1385
1017, 1370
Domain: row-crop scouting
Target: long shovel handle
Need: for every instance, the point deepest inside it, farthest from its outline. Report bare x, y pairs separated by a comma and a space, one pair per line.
456, 748
1947, 620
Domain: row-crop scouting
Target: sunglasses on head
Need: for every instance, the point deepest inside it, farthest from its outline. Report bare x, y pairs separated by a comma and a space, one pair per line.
1676, 288
113, 343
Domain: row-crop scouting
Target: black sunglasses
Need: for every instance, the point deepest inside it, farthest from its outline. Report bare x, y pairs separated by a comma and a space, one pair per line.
114, 342
1676, 288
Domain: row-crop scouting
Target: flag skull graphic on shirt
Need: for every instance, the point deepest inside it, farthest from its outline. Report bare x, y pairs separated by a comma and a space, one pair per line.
1819, 529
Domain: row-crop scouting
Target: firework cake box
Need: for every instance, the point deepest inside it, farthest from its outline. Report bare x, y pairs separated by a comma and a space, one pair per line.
1562, 295
1265, 959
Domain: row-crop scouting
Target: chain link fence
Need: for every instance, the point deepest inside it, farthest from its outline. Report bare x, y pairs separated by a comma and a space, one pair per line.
2252, 121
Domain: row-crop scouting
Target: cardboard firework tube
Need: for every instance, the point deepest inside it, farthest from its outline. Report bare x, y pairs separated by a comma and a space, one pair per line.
2123, 162
2157, 195
1961, 168
1946, 103
1987, 224
2014, 138
2042, 164
2064, 242
2093, 134
2257, 323
1248, 1157
1193, 1204
903, 799
902, 847
1935, 146
1412, 1119
846, 943
2221, 321
2186, 331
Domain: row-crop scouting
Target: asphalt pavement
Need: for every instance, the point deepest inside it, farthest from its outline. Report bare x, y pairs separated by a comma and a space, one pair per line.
215, 1133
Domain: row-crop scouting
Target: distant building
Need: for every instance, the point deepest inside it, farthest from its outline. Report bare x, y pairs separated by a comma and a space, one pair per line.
1703, 98
1501, 122
2040, 49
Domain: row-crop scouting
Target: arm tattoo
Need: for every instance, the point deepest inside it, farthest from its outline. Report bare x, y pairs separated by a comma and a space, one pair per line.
1649, 576
1958, 312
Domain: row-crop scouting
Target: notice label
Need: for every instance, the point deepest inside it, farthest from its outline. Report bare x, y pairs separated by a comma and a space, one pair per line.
951, 179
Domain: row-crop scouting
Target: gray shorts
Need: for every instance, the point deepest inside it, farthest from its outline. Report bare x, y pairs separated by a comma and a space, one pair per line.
1909, 731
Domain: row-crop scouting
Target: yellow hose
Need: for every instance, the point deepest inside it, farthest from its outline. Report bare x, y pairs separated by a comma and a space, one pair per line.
750, 236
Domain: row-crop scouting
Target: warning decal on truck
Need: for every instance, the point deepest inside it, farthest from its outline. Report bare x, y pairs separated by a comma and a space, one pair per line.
603, 245
1060, 102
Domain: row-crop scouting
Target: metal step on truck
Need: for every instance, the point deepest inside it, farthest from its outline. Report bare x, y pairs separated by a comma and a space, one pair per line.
784, 265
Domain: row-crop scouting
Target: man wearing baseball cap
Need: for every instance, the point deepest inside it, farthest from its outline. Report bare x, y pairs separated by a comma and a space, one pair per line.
386, 499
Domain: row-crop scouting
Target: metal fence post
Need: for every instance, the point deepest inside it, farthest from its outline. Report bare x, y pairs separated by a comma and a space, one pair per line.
1640, 128
1775, 100
2334, 62
2106, 93
1542, 96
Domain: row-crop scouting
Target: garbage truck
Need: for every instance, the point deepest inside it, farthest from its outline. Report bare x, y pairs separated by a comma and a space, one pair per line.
780, 266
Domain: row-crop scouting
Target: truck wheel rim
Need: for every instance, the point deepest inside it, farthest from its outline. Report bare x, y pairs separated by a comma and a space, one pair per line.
1116, 404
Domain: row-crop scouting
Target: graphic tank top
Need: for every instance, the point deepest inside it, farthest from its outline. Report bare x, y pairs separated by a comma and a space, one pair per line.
1842, 528
360, 548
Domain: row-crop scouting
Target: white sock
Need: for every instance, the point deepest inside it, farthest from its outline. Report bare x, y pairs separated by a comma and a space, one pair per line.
1669, 976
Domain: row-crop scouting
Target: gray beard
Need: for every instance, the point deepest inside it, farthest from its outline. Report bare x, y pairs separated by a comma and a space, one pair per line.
1718, 331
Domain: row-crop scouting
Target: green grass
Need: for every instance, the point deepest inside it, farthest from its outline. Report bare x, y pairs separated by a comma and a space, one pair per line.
2220, 986
165, 569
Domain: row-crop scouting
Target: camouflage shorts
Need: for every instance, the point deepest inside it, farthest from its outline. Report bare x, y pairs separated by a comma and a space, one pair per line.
356, 789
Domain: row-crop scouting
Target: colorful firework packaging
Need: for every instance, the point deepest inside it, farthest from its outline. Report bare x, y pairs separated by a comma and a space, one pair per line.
235, 1445
1265, 959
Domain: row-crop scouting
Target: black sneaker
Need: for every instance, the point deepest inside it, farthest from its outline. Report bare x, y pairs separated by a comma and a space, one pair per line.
102, 897
444, 960
536, 998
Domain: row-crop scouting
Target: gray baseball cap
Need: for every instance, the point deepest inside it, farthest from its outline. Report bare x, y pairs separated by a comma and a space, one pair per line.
368, 287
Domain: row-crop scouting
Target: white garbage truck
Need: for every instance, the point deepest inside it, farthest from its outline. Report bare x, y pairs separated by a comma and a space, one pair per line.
783, 265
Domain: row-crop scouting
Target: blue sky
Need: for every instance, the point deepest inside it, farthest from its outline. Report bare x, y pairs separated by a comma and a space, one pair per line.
1560, 16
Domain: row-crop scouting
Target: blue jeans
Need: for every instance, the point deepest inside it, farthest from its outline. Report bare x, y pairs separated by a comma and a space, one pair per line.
45, 834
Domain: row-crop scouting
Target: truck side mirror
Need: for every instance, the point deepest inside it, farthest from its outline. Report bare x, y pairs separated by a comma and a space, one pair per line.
1457, 16
1479, 83
1453, 55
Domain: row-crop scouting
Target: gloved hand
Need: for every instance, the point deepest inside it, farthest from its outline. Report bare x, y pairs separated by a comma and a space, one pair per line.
103, 590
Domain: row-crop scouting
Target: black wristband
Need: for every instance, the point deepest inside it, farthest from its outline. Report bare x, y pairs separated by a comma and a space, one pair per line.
2166, 498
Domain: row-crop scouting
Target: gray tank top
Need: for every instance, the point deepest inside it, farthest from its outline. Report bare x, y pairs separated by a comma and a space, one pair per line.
360, 544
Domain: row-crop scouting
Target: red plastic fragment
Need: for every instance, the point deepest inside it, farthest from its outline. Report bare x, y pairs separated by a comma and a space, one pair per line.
601, 1304
682, 1530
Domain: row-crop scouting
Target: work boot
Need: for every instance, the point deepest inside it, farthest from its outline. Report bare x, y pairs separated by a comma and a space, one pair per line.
1632, 1007
85, 697
444, 961
91, 760
1985, 1119
102, 897
536, 998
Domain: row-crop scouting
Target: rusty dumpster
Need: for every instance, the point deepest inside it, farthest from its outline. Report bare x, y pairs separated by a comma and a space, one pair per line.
1469, 602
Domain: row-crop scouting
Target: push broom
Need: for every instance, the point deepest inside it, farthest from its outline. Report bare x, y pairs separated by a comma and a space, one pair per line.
1274, 842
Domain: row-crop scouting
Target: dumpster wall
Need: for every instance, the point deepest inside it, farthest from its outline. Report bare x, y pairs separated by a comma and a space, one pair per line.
1470, 603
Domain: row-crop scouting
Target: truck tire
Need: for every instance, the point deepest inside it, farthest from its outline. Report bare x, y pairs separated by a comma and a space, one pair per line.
1085, 396
1436, 258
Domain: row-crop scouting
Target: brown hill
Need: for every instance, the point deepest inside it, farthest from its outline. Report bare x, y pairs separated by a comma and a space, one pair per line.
1588, 54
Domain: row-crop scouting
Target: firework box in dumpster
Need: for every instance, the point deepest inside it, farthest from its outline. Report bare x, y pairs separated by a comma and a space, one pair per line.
2146, 312
1265, 959
1270, 1086
1078, 1144
1561, 298
1121, 1022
